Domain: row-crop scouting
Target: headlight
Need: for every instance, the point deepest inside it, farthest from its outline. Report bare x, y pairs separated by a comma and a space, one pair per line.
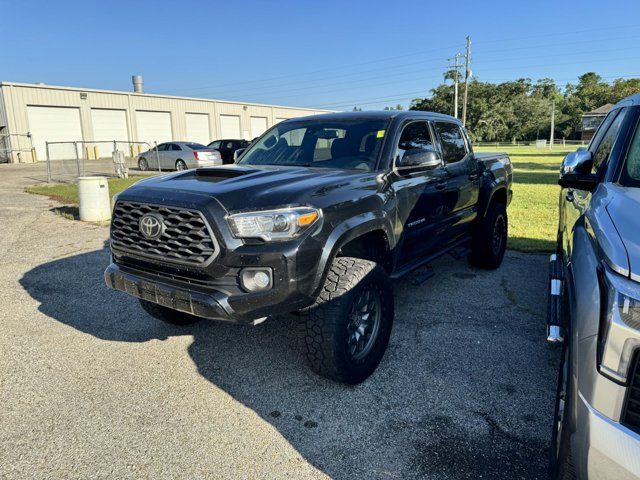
619, 329
270, 225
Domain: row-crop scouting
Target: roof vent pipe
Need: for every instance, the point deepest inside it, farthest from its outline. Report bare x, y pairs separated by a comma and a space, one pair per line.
138, 85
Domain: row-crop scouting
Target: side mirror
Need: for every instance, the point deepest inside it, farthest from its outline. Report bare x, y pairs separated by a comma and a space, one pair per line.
579, 181
419, 158
576, 171
579, 161
237, 153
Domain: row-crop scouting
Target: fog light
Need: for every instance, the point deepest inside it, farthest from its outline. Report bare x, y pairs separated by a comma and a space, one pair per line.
256, 279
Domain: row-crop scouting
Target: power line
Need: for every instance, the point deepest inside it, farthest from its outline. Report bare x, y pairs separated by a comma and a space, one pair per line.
293, 75
373, 100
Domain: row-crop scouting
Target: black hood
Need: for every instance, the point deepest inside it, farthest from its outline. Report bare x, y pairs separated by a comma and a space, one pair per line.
245, 188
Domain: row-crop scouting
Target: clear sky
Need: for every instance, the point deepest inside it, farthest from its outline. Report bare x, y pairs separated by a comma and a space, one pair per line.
332, 54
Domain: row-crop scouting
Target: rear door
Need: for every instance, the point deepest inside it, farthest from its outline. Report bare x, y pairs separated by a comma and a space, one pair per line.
152, 158
462, 180
173, 153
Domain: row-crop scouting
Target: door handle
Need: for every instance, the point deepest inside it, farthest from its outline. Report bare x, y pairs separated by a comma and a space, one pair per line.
441, 185
569, 196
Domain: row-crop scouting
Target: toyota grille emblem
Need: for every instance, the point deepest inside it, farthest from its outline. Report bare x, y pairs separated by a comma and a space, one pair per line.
151, 226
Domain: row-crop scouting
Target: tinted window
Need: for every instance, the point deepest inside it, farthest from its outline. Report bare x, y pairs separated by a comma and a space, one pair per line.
175, 148
603, 149
603, 128
454, 147
162, 147
631, 172
416, 135
196, 146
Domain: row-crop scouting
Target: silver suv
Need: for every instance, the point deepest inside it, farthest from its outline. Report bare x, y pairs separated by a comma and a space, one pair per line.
594, 304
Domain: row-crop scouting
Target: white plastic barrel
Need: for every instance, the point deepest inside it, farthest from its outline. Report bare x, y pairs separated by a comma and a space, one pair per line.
94, 199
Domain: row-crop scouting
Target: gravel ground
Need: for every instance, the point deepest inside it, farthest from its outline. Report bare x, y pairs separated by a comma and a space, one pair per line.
92, 387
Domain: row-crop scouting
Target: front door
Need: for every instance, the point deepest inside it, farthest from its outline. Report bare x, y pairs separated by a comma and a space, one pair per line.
574, 202
420, 195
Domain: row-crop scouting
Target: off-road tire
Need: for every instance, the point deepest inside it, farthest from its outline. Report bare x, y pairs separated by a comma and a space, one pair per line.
168, 315
484, 251
143, 165
326, 323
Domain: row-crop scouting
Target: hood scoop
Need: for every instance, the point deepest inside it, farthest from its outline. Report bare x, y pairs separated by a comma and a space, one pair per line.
220, 174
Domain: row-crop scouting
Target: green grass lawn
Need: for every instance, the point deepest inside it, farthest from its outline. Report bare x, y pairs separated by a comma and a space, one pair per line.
533, 214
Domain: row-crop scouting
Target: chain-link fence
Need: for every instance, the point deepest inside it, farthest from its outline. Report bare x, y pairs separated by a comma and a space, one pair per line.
17, 147
66, 161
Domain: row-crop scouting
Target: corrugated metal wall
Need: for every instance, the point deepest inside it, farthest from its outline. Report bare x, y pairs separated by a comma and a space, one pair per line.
19, 96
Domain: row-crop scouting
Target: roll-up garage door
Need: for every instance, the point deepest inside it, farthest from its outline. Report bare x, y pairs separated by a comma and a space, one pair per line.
198, 128
55, 124
153, 126
230, 127
258, 126
109, 125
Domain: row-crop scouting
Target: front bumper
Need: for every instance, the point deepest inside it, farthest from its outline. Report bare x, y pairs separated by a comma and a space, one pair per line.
613, 449
212, 302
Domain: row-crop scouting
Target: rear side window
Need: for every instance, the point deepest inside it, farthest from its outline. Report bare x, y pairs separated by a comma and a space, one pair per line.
631, 172
454, 147
603, 149
196, 146
175, 148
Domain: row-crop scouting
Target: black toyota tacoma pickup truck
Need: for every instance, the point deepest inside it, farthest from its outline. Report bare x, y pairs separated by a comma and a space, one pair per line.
316, 217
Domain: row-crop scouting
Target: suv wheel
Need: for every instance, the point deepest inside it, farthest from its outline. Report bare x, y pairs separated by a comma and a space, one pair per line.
168, 315
347, 330
561, 464
490, 240
180, 165
143, 164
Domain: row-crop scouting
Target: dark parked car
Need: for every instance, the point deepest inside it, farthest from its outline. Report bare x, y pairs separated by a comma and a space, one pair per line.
317, 217
594, 304
227, 148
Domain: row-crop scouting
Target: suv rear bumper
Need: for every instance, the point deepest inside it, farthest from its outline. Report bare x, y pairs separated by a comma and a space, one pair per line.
211, 303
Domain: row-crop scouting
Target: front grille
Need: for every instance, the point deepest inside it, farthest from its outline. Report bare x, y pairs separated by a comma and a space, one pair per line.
186, 238
631, 413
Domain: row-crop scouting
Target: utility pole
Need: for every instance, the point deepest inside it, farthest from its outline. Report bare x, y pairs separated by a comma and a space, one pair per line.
553, 121
456, 66
467, 75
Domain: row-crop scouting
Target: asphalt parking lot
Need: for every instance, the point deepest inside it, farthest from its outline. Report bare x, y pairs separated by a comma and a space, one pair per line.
92, 387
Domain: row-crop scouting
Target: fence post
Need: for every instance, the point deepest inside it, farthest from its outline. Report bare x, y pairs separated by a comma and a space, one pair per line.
157, 156
46, 144
75, 147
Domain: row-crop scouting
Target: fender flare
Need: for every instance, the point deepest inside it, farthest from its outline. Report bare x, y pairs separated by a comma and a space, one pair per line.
346, 231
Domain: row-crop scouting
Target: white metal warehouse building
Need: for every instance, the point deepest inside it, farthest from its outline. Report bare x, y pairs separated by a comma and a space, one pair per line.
32, 114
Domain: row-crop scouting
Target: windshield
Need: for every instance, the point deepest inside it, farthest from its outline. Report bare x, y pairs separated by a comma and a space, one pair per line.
348, 144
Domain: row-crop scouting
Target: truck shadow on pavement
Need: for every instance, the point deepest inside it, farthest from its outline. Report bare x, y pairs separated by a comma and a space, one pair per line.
465, 389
